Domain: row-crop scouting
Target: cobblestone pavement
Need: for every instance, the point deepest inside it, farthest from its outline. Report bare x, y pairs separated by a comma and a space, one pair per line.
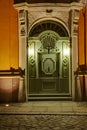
58, 115
43, 122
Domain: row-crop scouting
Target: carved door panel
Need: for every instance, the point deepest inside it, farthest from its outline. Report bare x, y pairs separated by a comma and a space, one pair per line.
48, 65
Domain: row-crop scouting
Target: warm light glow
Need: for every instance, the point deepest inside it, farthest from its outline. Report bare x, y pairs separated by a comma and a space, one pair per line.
66, 51
31, 52
7, 105
8, 35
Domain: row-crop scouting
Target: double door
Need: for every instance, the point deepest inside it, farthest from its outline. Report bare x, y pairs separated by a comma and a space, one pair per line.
48, 67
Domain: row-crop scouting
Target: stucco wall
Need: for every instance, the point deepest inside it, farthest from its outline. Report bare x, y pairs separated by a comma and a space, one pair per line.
83, 36
8, 35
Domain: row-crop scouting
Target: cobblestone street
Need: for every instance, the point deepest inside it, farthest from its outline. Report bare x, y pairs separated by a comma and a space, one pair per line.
43, 122
49, 115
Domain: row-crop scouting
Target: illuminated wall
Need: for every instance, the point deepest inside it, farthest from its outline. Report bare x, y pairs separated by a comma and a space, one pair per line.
83, 36
86, 32
8, 35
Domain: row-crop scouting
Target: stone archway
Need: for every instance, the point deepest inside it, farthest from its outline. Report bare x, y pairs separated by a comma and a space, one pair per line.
48, 61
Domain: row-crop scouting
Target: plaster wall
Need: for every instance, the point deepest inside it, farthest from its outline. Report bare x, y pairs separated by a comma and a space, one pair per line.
8, 35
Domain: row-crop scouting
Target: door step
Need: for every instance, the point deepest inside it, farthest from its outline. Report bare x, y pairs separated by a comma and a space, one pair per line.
49, 97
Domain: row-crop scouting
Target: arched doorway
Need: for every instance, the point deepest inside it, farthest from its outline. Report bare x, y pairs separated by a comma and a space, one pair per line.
49, 61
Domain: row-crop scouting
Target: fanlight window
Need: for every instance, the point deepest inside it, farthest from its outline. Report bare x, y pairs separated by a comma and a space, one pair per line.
48, 39
48, 25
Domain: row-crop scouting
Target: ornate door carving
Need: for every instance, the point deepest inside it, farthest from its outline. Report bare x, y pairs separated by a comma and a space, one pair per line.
48, 62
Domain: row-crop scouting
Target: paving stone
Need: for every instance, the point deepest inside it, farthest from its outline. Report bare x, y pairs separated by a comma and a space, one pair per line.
43, 122
47, 107
67, 116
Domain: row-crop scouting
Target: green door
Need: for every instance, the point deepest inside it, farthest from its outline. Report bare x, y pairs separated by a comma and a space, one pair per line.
48, 64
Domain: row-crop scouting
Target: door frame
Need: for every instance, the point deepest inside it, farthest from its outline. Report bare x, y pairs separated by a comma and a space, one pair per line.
70, 89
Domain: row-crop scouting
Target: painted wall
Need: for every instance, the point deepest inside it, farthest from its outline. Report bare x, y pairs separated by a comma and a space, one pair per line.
8, 35
83, 36
86, 31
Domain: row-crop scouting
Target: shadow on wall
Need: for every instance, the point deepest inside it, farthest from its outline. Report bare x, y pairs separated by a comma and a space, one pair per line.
45, 1
81, 83
12, 86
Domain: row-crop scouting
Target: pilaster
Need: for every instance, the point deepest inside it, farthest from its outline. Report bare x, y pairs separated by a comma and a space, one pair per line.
22, 28
74, 46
